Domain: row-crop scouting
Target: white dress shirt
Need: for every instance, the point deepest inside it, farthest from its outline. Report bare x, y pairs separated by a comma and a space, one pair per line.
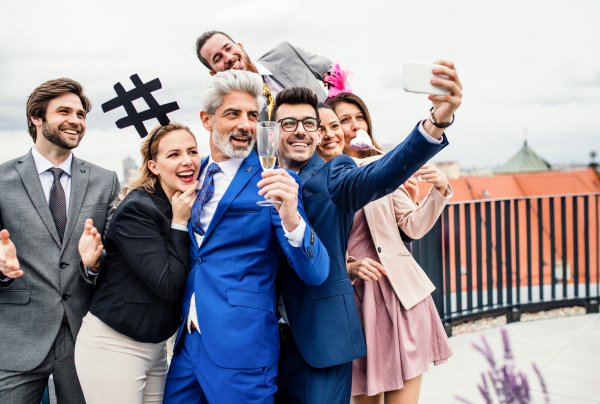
47, 178
222, 180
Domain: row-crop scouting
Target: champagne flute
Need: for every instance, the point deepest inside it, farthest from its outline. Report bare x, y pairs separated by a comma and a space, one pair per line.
267, 140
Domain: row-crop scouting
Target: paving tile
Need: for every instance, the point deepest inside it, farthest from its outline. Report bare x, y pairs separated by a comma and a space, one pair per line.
538, 397
431, 380
573, 384
550, 333
446, 391
572, 360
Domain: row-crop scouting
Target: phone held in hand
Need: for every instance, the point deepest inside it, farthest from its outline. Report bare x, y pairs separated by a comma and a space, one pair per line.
416, 78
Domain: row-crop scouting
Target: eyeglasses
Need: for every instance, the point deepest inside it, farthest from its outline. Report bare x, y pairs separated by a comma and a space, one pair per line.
291, 124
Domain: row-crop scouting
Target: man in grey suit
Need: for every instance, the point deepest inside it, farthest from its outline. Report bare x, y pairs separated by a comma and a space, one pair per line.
282, 67
46, 197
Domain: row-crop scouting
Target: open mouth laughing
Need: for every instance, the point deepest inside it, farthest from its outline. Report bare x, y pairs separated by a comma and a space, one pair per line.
330, 145
240, 140
186, 176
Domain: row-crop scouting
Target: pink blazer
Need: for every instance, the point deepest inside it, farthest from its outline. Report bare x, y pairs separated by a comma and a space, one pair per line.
384, 217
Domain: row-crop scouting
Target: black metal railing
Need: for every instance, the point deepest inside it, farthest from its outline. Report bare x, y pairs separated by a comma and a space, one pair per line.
512, 255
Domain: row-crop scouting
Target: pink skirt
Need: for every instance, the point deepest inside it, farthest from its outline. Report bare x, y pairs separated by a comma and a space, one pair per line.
400, 343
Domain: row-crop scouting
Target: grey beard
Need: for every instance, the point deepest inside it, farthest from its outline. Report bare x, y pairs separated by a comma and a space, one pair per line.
223, 142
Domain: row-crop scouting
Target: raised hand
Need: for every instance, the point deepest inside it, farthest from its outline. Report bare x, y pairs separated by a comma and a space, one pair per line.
9, 263
433, 175
445, 105
412, 187
90, 246
366, 269
182, 203
280, 185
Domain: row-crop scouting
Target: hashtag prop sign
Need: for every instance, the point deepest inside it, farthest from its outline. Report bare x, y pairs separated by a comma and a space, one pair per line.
136, 119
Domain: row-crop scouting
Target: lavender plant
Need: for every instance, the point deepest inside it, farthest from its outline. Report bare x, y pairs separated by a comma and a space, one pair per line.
504, 384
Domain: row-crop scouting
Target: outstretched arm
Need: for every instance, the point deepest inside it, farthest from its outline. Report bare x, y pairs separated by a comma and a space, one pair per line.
318, 65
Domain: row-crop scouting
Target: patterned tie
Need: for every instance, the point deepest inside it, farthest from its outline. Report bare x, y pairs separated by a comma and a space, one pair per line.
206, 193
58, 203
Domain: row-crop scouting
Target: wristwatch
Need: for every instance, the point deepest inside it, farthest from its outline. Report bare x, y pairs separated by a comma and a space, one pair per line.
439, 125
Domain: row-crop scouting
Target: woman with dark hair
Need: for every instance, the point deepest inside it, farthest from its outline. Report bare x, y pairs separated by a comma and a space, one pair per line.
120, 353
402, 328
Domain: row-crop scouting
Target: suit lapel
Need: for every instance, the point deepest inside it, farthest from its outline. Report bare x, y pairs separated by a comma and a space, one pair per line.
80, 176
246, 171
31, 180
311, 168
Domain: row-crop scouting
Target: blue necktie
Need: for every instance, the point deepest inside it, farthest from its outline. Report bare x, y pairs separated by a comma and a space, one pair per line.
206, 193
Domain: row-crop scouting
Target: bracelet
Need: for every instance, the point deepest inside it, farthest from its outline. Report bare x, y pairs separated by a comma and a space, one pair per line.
439, 125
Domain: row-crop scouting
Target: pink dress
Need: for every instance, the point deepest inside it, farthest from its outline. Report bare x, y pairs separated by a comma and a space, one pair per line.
400, 343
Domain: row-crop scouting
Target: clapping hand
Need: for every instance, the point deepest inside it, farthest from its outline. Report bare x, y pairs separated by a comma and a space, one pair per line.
9, 263
433, 175
90, 246
412, 187
279, 185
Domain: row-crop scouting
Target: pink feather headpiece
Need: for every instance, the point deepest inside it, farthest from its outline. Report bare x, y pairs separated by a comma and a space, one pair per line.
336, 80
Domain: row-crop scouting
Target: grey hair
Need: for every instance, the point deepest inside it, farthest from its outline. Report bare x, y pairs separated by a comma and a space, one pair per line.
224, 83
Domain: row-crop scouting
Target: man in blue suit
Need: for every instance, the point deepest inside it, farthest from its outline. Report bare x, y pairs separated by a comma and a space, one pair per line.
319, 327
227, 347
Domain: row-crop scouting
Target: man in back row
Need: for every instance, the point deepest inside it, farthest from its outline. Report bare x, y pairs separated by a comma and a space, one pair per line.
282, 67
320, 330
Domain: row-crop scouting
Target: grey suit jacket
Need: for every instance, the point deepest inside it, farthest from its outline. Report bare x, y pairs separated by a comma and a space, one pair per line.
294, 67
32, 306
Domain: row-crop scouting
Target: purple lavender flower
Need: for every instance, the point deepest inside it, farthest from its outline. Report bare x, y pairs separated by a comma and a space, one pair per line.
542, 383
508, 385
507, 351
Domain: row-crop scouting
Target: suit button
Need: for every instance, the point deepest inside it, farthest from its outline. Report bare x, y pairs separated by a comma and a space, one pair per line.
65, 296
379, 250
199, 260
63, 265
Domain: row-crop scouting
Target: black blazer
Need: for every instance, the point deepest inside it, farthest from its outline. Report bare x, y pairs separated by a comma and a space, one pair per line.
145, 269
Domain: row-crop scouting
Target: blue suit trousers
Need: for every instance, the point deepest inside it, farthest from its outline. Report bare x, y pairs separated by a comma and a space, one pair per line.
194, 378
300, 383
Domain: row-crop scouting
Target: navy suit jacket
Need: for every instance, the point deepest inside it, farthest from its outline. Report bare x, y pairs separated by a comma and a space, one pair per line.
324, 319
233, 273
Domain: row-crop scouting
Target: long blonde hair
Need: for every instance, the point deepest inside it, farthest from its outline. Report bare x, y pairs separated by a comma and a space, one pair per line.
144, 178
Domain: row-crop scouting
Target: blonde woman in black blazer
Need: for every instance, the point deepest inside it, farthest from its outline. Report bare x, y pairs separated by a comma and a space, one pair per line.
120, 354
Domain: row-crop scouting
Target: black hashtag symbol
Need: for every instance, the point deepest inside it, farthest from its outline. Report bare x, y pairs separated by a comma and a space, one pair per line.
134, 118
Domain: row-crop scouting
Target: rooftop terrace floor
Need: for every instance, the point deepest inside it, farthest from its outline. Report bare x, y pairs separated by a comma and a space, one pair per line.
566, 350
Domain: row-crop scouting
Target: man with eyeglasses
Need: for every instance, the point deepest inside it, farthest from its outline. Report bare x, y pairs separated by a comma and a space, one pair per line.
320, 331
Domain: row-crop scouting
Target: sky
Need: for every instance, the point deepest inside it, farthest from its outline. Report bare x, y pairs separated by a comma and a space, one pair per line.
523, 64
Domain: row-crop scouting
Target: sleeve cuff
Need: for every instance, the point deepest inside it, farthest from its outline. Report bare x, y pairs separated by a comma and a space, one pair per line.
90, 272
427, 136
179, 227
295, 237
4, 279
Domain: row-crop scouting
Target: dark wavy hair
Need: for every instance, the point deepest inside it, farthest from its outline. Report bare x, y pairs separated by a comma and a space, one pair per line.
355, 99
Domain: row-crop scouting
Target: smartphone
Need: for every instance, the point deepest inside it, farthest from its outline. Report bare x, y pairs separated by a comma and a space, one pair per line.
416, 78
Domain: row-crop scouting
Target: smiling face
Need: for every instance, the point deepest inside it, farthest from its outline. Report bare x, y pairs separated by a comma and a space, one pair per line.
233, 126
351, 119
296, 148
223, 54
176, 162
332, 135
64, 123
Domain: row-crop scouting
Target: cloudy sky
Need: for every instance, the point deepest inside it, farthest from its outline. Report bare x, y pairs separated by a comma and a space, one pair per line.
531, 64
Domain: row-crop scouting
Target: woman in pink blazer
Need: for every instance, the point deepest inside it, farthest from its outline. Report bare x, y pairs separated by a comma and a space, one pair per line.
402, 328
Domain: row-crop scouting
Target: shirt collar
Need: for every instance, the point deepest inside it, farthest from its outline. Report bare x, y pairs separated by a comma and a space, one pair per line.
263, 71
42, 164
228, 167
